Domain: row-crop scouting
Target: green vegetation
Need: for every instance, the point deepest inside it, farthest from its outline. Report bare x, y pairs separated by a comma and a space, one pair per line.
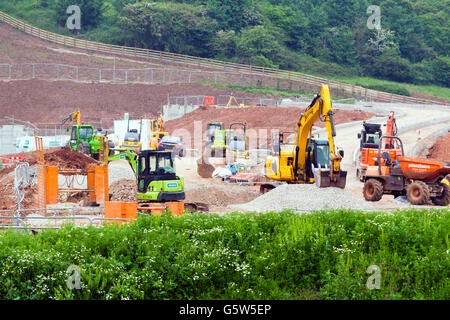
366, 82
322, 255
323, 37
264, 90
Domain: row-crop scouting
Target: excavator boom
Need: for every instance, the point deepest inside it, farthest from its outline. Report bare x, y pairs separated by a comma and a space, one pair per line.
311, 160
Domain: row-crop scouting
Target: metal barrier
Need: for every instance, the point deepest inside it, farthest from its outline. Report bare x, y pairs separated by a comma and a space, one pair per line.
191, 61
54, 220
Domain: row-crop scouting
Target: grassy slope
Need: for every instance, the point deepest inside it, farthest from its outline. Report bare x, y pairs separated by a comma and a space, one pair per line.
441, 92
42, 18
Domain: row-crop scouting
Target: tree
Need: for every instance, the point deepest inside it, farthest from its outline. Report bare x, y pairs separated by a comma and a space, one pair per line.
256, 45
389, 65
176, 27
441, 70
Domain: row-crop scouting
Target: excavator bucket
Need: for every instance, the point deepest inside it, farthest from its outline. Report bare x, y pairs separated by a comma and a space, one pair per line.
323, 179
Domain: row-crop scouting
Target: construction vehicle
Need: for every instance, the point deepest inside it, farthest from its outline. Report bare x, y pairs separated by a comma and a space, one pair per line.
310, 160
237, 146
420, 180
369, 142
157, 181
82, 137
132, 138
157, 127
211, 128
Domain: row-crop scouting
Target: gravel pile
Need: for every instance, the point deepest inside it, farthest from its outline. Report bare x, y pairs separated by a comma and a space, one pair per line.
303, 197
123, 190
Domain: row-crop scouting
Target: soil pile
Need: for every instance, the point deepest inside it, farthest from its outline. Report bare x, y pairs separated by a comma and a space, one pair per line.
219, 196
440, 150
68, 159
41, 101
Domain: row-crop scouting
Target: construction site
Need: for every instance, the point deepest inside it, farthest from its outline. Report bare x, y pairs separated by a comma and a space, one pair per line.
239, 151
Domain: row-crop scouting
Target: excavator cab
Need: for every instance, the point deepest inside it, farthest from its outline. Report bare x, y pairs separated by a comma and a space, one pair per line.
157, 178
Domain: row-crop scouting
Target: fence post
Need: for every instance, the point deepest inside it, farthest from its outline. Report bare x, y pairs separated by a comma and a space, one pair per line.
99, 75
190, 75
151, 80
164, 76
215, 77
33, 71
10, 67
126, 76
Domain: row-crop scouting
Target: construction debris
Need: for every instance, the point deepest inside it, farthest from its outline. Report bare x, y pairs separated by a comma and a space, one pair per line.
123, 191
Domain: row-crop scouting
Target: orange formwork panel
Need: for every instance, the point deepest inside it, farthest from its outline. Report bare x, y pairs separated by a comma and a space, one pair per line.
177, 208
47, 185
98, 182
120, 210
101, 184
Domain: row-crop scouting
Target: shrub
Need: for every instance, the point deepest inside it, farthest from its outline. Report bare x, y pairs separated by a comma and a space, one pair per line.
238, 256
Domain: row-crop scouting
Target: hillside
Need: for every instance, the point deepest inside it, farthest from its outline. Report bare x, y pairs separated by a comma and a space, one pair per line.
324, 37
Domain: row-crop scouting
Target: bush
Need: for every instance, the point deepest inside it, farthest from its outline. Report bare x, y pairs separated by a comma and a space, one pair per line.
237, 256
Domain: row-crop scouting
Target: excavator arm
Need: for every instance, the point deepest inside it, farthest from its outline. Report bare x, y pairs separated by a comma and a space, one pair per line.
320, 108
74, 116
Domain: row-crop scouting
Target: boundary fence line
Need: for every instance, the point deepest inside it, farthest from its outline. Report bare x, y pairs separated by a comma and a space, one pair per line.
191, 61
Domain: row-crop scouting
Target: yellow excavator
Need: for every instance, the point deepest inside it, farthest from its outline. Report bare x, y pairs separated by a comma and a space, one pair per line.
158, 127
309, 160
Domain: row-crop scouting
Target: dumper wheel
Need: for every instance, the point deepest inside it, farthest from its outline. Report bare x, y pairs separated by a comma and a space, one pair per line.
418, 193
373, 190
444, 198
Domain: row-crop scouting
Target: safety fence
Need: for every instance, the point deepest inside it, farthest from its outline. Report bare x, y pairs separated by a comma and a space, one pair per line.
220, 100
10, 220
30, 219
294, 79
52, 71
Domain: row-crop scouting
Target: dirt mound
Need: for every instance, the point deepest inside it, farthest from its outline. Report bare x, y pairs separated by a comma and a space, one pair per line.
219, 196
68, 159
51, 101
265, 118
64, 158
123, 190
440, 150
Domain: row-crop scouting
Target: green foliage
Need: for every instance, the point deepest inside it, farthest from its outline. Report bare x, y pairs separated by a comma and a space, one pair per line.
441, 68
284, 255
167, 26
391, 88
412, 46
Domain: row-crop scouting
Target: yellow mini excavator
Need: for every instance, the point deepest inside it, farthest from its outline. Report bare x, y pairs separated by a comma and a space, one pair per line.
310, 160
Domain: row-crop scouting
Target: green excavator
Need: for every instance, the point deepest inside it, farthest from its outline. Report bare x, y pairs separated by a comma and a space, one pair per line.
156, 177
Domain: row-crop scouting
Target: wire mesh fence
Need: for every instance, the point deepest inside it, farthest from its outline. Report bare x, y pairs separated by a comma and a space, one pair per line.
84, 74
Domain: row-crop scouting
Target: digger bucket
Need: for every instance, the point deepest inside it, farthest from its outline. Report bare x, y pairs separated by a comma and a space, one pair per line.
323, 179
